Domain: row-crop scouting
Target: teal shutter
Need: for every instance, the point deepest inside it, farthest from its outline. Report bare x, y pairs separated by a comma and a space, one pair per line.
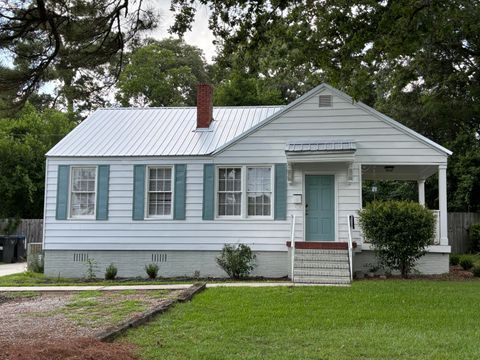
180, 191
138, 192
208, 191
102, 192
62, 192
280, 192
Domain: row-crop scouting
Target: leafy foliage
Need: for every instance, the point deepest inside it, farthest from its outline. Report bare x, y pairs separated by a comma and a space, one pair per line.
454, 259
91, 271
399, 232
75, 42
476, 271
111, 272
474, 237
162, 73
466, 263
151, 270
236, 260
24, 140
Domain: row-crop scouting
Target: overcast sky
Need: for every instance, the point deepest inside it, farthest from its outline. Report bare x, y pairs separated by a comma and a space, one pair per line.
200, 36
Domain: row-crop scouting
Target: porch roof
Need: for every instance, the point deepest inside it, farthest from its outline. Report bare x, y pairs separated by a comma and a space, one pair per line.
320, 145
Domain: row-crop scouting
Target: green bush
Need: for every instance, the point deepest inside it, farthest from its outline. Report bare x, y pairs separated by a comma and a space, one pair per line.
110, 272
236, 260
474, 237
476, 271
454, 259
35, 263
466, 263
151, 270
399, 231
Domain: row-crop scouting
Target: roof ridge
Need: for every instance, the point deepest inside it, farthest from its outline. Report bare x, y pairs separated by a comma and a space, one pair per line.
188, 107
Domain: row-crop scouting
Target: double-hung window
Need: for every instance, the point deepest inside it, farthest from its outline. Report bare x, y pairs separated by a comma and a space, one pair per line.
244, 191
83, 192
159, 191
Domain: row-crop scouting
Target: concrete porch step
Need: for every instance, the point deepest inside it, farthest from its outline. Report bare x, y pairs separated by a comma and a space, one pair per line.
321, 257
321, 265
321, 272
322, 280
321, 251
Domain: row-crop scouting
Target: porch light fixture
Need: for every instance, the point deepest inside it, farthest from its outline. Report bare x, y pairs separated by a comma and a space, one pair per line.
389, 168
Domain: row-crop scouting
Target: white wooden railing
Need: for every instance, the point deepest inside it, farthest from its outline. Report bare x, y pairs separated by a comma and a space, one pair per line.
292, 244
350, 246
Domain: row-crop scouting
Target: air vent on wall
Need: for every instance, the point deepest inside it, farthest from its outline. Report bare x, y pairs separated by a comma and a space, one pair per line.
80, 257
159, 257
325, 101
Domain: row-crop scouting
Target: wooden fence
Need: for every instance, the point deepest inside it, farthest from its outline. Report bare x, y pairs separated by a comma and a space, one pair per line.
31, 228
458, 223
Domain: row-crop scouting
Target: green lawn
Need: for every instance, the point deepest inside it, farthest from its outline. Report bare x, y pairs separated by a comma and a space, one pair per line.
35, 279
391, 319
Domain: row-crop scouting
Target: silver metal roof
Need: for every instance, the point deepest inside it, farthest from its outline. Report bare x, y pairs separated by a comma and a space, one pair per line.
158, 131
320, 145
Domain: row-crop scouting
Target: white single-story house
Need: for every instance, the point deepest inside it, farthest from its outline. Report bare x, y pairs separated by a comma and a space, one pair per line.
172, 185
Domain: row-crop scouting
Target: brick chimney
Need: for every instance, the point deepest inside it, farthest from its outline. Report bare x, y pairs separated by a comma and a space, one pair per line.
204, 105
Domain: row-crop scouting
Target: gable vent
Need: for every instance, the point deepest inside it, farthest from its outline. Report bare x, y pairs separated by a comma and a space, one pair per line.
159, 257
80, 257
325, 101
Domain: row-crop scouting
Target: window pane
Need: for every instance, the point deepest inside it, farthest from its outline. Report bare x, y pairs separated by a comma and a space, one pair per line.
259, 188
159, 191
82, 197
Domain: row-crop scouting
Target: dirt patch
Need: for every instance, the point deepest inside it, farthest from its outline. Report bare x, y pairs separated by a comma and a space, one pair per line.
60, 316
72, 349
456, 273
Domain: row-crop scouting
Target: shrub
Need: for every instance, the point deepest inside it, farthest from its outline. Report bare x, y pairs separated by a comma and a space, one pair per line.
476, 271
110, 272
151, 270
466, 263
454, 259
474, 237
399, 231
236, 260
35, 263
91, 272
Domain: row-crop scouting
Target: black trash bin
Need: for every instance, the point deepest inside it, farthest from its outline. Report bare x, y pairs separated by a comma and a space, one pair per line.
9, 249
21, 250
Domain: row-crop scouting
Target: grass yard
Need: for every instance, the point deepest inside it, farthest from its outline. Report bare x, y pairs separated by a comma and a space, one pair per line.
391, 319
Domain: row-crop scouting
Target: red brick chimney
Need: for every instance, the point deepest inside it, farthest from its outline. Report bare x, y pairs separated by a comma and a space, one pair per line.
204, 105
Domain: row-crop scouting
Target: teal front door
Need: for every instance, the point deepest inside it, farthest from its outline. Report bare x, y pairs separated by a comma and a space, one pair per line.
320, 208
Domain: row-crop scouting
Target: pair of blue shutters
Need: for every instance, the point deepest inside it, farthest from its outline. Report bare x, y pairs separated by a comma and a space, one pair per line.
180, 173
280, 196
180, 188
63, 180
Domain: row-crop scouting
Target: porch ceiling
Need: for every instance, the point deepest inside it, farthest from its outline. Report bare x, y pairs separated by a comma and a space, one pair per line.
398, 172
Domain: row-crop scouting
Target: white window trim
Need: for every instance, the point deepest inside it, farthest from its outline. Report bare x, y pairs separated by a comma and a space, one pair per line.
70, 189
147, 215
244, 207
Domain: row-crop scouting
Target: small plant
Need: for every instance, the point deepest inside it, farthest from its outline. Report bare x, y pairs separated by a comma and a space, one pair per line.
111, 272
35, 263
474, 237
466, 263
236, 260
454, 259
151, 270
91, 273
476, 271
196, 274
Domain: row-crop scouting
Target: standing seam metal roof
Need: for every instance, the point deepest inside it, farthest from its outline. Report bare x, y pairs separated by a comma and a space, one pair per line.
158, 131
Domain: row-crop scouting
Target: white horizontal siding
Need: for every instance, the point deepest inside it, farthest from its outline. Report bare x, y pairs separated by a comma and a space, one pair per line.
120, 232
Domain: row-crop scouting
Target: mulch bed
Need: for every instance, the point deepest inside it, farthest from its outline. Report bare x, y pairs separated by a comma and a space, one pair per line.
456, 274
66, 349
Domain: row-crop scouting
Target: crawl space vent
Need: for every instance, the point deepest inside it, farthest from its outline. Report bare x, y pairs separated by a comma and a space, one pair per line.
80, 257
159, 257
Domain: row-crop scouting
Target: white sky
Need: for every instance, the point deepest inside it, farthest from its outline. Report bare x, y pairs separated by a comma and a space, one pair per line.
200, 36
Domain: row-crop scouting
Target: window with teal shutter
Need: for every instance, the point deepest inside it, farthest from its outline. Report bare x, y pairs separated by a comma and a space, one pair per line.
102, 192
180, 191
208, 191
280, 192
138, 212
62, 192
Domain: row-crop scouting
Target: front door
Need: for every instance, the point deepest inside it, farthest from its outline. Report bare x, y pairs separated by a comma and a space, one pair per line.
320, 207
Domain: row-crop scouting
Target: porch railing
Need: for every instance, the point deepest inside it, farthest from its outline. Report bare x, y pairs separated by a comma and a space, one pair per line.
292, 243
350, 245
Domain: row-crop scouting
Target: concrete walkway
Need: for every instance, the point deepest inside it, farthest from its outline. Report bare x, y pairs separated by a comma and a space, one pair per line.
10, 269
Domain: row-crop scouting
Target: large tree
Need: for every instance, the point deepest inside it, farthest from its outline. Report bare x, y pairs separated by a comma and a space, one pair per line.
415, 60
162, 73
78, 43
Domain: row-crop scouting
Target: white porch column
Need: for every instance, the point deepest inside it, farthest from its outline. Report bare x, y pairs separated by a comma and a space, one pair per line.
421, 191
442, 203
